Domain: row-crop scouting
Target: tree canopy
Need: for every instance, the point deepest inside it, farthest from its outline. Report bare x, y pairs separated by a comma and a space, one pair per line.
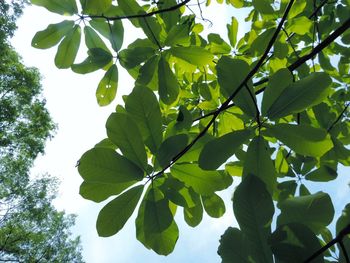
270, 108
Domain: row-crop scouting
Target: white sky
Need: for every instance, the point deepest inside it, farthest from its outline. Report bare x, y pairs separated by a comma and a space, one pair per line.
72, 104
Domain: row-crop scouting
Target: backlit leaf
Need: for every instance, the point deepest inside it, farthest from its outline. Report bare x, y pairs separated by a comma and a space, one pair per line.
194, 55
68, 48
62, 7
232, 30
107, 88
170, 148
168, 86
214, 205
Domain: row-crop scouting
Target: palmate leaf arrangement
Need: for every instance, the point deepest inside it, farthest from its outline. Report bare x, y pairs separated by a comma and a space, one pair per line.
270, 109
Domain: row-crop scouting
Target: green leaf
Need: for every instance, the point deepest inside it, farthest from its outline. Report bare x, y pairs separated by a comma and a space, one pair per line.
151, 220
237, 3
103, 165
214, 205
217, 45
322, 174
294, 242
99, 192
231, 72
277, 84
342, 223
232, 30
253, 209
263, 6
233, 246
297, 8
316, 211
131, 7
260, 43
303, 139
93, 40
97, 59
170, 18
246, 100
143, 107
299, 25
62, 7
168, 85
52, 35
184, 119
170, 148
124, 133
107, 88
116, 213
258, 162
68, 48
148, 72
202, 182
194, 55
179, 34
93, 7
217, 151
194, 215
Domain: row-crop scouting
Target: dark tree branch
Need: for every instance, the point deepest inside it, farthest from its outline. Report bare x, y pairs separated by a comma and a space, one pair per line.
233, 95
337, 239
159, 11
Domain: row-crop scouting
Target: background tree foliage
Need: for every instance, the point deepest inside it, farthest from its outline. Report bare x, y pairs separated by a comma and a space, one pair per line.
31, 229
270, 108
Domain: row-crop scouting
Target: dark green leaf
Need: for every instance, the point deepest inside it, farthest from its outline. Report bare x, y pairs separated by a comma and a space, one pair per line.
168, 86
213, 205
170, 148
93, 7
93, 40
322, 174
62, 7
194, 215
107, 88
97, 59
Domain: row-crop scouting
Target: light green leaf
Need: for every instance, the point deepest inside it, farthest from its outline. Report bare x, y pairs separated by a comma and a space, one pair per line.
68, 48
179, 34
170, 18
316, 211
168, 86
93, 7
116, 213
217, 45
214, 205
300, 95
232, 30
97, 59
52, 35
217, 151
297, 8
107, 88
62, 7
303, 139
194, 55
237, 3
93, 40
170, 148
99, 192
202, 182
253, 209
143, 107
299, 25
258, 162
103, 165
124, 133
194, 215
294, 242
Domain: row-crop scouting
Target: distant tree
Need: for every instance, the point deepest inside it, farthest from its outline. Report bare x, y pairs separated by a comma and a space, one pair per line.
271, 108
31, 229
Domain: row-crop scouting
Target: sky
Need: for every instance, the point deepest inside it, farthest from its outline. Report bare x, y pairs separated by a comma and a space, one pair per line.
81, 124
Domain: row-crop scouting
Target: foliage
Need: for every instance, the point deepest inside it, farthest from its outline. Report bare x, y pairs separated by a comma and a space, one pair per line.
270, 108
31, 229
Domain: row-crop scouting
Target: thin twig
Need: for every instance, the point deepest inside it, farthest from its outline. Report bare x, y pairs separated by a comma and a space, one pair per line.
339, 117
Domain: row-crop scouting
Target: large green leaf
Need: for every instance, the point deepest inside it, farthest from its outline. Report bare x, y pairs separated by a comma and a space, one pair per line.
315, 211
170, 18
98, 192
233, 246
116, 213
194, 55
232, 30
68, 48
299, 25
300, 95
258, 162
179, 34
170, 148
52, 35
168, 85
124, 133
294, 242
93, 7
217, 151
143, 107
107, 88
214, 205
194, 215
149, 72
324, 173
343, 222
62, 7
155, 226
202, 182
103, 165
132, 57
97, 59
303, 139
259, 44
231, 72
93, 40
263, 6
253, 209
217, 45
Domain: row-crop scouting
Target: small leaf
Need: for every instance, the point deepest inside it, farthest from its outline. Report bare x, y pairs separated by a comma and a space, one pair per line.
170, 148
322, 174
103, 165
52, 35
116, 213
303, 139
124, 133
214, 205
232, 30
168, 86
316, 211
97, 59
107, 88
194, 215
217, 151
68, 48
62, 7
194, 55
202, 182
